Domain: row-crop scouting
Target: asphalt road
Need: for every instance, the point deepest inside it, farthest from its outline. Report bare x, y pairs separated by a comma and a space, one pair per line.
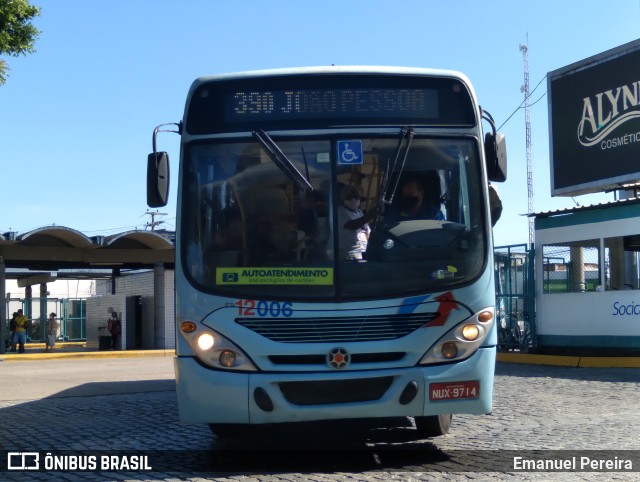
79, 377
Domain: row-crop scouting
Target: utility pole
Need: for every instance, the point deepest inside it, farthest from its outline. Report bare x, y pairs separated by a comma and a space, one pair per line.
153, 222
527, 122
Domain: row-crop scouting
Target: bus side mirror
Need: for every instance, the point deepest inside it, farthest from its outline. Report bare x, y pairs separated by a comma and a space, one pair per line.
157, 179
495, 153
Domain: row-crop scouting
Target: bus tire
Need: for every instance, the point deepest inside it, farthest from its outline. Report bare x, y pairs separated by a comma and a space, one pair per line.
229, 430
433, 425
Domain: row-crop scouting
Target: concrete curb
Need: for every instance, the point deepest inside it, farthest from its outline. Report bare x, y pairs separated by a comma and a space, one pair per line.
570, 361
85, 354
525, 358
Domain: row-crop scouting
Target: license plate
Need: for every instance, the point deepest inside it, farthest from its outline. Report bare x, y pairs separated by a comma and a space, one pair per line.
454, 390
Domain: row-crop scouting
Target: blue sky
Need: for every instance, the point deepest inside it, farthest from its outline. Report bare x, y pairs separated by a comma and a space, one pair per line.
76, 117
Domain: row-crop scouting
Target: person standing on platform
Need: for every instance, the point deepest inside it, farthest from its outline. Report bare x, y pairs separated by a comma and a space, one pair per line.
52, 331
115, 328
20, 335
12, 330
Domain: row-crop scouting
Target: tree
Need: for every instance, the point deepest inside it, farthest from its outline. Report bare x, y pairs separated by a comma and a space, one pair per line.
17, 33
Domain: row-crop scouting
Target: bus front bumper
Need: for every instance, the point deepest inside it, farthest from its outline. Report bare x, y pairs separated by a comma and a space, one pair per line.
213, 396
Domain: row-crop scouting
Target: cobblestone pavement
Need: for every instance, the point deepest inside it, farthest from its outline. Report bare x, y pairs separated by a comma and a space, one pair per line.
536, 408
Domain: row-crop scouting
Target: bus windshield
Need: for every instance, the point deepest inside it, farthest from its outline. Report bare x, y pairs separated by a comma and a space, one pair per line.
369, 224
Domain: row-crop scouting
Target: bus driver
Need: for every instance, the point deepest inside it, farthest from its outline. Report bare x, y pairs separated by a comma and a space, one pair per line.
416, 203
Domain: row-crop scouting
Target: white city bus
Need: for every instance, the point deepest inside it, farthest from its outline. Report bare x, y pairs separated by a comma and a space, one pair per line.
285, 312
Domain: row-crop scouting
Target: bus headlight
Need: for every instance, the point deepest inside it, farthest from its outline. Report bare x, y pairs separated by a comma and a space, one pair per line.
470, 332
214, 349
205, 341
462, 340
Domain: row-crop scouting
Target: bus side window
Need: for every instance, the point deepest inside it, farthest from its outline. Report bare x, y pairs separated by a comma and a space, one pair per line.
433, 190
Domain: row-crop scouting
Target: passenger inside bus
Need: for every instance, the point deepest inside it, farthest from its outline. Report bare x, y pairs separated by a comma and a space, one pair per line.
231, 233
353, 223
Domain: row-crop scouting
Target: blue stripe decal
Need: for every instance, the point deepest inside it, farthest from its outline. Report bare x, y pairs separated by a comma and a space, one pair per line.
409, 305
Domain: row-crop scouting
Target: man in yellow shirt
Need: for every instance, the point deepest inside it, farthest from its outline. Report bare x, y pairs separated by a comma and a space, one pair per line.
20, 335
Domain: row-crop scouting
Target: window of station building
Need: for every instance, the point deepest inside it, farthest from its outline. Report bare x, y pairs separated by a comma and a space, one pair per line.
571, 267
621, 263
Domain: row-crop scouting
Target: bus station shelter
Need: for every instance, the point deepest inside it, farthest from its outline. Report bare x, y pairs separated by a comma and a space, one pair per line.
588, 277
55, 252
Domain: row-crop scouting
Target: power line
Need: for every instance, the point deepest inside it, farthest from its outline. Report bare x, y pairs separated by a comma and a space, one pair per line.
120, 229
153, 222
538, 100
526, 98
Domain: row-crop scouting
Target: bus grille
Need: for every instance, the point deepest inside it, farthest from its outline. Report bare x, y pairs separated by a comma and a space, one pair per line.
339, 329
335, 391
356, 358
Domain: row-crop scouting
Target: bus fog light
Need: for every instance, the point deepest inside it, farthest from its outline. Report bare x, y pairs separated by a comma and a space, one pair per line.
449, 350
227, 358
470, 332
205, 341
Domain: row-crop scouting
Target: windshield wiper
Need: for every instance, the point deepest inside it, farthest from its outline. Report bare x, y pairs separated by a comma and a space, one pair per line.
388, 191
281, 160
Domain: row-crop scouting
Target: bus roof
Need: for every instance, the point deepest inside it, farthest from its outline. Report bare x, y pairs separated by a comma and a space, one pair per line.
333, 69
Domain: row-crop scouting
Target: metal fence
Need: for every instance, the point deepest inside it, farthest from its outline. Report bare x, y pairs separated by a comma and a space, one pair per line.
515, 297
71, 316
571, 267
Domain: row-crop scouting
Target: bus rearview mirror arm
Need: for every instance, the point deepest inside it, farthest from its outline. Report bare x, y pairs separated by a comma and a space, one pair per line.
495, 151
158, 170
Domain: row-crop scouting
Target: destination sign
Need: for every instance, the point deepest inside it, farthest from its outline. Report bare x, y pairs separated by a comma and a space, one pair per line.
327, 103
322, 101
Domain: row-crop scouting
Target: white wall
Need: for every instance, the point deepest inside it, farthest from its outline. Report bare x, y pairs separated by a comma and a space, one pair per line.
98, 313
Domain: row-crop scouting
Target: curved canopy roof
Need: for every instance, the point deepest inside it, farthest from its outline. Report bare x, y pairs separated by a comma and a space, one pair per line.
59, 247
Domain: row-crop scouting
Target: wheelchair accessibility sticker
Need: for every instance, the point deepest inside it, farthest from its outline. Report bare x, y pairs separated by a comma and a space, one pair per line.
350, 152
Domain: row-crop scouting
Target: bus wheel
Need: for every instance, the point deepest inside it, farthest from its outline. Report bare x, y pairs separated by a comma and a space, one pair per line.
434, 425
230, 430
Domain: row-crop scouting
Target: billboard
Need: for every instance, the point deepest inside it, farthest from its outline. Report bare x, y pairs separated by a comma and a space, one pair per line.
594, 122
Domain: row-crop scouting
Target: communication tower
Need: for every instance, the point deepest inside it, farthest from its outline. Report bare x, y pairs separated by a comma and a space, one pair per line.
527, 122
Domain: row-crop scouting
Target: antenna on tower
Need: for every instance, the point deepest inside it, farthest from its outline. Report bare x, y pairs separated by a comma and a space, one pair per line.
527, 122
